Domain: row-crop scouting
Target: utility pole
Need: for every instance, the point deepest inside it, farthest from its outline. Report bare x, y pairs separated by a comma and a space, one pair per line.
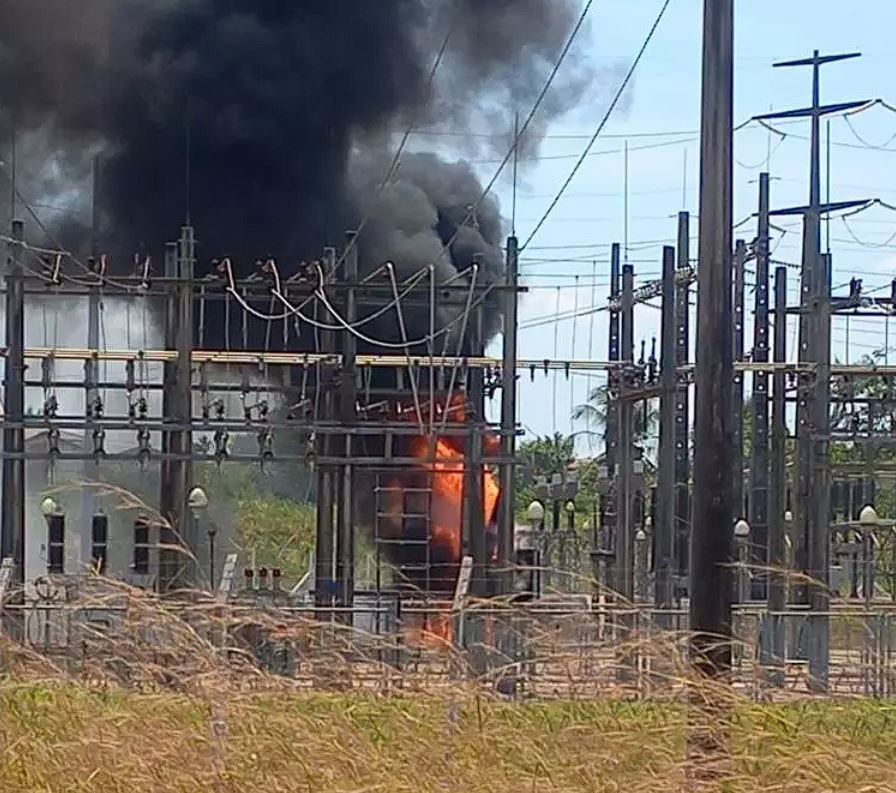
88, 497
759, 495
611, 432
682, 410
819, 505
508, 417
167, 557
664, 526
737, 399
625, 451
12, 536
712, 532
810, 524
325, 543
345, 551
777, 562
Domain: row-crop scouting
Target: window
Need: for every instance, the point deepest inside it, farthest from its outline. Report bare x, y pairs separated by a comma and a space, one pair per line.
99, 540
141, 546
56, 544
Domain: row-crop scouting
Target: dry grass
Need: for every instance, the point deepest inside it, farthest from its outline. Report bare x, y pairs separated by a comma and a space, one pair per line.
61, 736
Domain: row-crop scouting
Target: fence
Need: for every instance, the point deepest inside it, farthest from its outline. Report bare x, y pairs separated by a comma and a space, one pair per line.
565, 647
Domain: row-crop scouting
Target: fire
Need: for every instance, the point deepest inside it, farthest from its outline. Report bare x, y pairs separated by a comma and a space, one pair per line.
447, 482
440, 474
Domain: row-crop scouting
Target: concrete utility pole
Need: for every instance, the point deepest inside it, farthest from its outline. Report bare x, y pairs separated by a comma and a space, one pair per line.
625, 451
325, 543
612, 514
348, 386
664, 525
759, 495
737, 397
777, 556
810, 503
508, 417
710, 605
12, 536
92, 373
682, 410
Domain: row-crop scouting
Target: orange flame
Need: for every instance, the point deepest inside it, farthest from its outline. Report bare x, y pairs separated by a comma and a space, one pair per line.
442, 458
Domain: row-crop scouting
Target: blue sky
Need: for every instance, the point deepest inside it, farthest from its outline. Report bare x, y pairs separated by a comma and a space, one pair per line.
663, 169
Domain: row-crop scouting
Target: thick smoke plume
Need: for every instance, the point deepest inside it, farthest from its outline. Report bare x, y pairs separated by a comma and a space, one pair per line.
272, 122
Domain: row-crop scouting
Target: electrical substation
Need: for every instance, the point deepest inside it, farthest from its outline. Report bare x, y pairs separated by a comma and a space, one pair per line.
376, 383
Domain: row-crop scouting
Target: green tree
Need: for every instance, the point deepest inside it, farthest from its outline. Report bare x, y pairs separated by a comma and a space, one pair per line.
594, 414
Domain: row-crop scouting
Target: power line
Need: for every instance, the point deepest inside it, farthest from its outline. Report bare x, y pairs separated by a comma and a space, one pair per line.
602, 124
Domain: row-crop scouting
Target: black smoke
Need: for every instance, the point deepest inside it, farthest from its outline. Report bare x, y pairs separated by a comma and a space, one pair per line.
272, 123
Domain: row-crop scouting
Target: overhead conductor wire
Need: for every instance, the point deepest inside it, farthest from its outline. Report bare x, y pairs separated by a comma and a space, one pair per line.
600, 128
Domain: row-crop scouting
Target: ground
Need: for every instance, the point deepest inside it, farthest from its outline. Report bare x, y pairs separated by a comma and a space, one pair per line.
64, 737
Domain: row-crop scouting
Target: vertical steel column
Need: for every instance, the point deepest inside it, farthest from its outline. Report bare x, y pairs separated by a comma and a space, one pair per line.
737, 393
712, 532
819, 508
625, 451
324, 549
759, 495
803, 488
12, 536
610, 544
92, 372
777, 555
682, 409
345, 553
186, 526
167, 538
508, 418
473, 479
664, 524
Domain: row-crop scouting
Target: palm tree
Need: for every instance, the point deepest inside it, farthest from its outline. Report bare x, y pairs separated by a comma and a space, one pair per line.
594, 414
548, 454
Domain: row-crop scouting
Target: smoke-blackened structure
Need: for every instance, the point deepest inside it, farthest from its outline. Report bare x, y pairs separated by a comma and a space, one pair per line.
270, 122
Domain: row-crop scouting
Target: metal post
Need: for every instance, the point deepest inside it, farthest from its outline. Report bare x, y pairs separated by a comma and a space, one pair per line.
819, 507
625, 451
90, 467
345, 553
186, 262
682, 411
212, 531
777, 554
168, 497
508, 418
759, 494
664, 524
473, 479
710, 605
12, 536
737, 399
611, 437
324, 539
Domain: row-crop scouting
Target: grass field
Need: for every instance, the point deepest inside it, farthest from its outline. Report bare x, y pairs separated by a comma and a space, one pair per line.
59, 736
